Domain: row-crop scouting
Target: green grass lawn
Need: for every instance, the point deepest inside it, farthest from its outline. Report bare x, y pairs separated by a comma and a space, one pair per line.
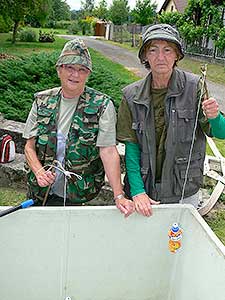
27, 48
217, 222
11, 197
215, 72
220, 145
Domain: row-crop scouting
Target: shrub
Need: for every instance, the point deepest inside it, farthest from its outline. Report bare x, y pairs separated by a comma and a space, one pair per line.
87, 25
27, 35
62, 24
21, 78
74, 28
45, 37
220, 43
50, 24
5, 24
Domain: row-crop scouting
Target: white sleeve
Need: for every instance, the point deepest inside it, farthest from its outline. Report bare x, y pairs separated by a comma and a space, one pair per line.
107, 127
30, 129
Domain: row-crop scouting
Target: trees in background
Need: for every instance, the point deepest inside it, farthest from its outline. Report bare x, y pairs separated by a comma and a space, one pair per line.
17, 10
87, 7
101, 11
34, 12
144, 12
59, 11
202, 21
119, 12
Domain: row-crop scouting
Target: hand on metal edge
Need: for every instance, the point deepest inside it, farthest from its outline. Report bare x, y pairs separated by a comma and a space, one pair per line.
143, 204
125, 206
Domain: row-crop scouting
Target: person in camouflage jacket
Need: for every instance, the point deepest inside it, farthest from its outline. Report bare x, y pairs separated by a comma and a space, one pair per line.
72, 128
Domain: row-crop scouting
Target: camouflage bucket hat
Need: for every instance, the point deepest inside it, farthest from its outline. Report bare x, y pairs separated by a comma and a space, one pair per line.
75, 52
163, 32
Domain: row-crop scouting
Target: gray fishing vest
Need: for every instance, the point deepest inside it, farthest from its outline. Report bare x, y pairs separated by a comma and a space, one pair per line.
180, 114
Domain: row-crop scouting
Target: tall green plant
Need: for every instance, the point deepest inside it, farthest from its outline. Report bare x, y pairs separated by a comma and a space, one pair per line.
16, 10
101, 11
203, 19
173, 18
144, 12
87, 7
119, 12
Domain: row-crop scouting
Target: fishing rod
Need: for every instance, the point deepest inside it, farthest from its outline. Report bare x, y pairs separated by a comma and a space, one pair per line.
22, 205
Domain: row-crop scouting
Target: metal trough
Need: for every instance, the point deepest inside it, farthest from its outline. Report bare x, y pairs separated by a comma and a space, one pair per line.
93, 253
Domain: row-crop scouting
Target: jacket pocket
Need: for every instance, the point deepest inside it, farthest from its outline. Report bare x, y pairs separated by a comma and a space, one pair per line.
44, 116
194, 174
43, 120
185, 126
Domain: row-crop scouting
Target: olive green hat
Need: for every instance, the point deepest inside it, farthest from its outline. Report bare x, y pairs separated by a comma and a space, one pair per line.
163, 32
75, 52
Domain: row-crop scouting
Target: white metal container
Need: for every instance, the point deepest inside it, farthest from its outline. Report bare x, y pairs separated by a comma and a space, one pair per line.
94, 253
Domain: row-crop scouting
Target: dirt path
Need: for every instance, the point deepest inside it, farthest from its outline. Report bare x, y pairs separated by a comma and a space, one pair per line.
130, 61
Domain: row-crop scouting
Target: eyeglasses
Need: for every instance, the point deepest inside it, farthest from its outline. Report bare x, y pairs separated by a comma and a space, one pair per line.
71, 69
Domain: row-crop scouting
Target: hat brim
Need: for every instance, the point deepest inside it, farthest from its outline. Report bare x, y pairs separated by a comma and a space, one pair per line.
163, 37
74, 60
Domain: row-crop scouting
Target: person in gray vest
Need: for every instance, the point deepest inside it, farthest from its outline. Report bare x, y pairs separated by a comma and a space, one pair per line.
70, 131
156, 121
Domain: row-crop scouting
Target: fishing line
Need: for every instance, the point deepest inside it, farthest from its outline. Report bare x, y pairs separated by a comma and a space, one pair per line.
175, 265
67, 225
66, 173
194, 132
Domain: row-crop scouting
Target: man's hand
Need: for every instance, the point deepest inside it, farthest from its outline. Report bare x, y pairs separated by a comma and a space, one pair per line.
45, 178
143, 204
210, 108
125, 206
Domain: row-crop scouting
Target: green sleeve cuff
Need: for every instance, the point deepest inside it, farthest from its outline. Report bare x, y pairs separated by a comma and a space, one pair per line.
132, 160
218, 126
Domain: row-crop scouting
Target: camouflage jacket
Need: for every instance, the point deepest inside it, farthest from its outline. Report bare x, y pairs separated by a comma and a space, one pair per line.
82, 155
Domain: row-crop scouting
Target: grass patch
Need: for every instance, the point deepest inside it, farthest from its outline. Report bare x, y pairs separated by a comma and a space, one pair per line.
11, 197
215, 72
48, 30
125, 45
27, 48
217, 223
220, 144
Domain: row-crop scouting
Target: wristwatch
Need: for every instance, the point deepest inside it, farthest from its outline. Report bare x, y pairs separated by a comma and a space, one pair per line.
118, 197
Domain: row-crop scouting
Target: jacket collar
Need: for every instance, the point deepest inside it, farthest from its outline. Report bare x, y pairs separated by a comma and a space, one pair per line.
175, 87
176, 83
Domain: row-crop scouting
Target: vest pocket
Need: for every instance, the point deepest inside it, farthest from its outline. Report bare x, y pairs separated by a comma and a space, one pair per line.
194, 175
185, 126
43, 121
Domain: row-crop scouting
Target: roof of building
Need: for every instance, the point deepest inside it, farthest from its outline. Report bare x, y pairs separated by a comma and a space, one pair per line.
180, 5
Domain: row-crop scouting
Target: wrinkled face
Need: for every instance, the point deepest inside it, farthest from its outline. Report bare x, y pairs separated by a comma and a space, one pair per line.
161, 57
73, 78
